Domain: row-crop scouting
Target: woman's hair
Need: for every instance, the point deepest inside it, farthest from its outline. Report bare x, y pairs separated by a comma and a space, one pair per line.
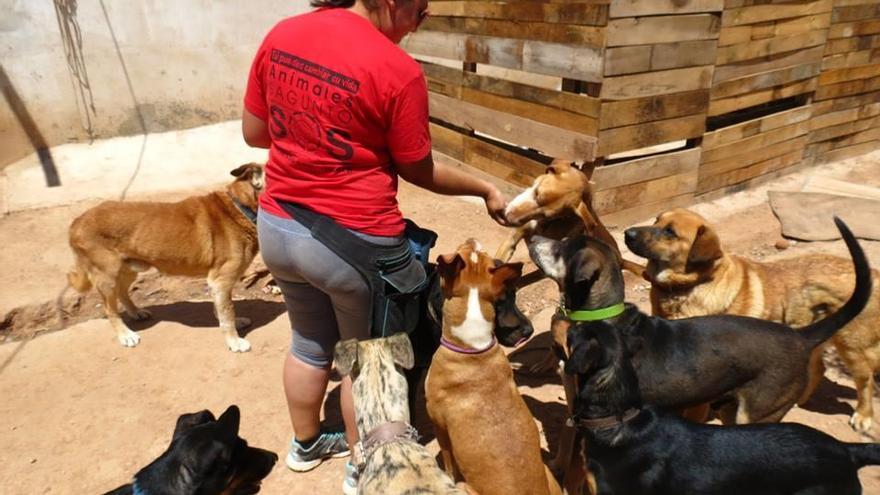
332, 3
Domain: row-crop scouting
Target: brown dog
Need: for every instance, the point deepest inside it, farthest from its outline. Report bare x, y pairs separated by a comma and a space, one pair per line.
209, 236
486, 433
691, 275
558, 204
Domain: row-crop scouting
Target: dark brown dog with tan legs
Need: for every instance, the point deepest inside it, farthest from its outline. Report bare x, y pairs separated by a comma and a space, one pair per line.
757, 367
212, 236
487, 436
558, 204
692, 275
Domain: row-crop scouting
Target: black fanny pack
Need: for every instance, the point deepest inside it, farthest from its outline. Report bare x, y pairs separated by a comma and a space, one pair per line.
395, 274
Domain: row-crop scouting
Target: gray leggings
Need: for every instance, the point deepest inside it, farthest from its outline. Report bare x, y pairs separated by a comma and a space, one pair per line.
327, 300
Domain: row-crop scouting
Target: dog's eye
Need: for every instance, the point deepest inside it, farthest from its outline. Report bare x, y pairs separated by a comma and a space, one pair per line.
669, 231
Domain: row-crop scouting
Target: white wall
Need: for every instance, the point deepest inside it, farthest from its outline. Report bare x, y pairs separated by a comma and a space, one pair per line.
186, 61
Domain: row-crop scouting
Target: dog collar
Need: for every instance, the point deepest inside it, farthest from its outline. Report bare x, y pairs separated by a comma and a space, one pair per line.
136, 490
385, 433
605, 422
249, 213
595, 314
464, 350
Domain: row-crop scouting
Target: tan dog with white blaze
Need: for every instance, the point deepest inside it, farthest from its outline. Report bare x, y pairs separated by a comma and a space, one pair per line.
203, 236
692, 275
394, 463
486, 433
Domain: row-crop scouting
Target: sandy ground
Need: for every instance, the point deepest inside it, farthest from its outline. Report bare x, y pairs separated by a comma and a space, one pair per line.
81, 414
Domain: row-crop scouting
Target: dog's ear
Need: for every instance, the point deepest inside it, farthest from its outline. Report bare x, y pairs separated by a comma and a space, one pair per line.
706, 246
187, 421
401, 350
230, 419
240, 170
345, 355
588, 265
545, 252
505, 275
448, 267
585, 353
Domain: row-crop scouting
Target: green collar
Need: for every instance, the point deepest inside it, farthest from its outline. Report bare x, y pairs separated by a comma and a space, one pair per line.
595, 314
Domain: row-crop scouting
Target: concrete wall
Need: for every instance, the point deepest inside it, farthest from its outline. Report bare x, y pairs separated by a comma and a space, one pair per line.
74, 70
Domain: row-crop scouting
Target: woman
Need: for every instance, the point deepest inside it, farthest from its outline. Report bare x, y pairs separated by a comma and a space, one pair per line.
344, 112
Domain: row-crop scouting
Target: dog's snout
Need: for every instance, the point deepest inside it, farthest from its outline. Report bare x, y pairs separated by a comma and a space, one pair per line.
631, 234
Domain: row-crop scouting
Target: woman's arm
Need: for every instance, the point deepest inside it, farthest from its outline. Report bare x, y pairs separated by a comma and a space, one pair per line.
254, 130
443, 179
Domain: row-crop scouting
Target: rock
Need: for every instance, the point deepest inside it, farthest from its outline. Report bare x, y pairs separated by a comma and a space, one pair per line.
782, 244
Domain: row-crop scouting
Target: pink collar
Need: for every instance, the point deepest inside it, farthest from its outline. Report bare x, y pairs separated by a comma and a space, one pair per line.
464, 350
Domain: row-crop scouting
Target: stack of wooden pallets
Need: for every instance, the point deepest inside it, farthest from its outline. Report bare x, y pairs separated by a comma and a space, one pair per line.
667, 99
846, 108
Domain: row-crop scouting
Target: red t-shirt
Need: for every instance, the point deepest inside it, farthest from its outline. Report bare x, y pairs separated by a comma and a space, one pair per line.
343, 104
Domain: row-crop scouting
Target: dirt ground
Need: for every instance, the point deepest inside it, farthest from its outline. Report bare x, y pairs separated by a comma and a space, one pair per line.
81, 414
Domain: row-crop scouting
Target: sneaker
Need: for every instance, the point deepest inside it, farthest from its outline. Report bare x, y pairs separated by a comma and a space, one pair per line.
328, 444
350, 482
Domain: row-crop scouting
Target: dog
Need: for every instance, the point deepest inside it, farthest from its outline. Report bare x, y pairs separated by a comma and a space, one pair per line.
206, 456
758, 368
692, 275
557, 205
392, 461
487, 436
213, 236
638, 450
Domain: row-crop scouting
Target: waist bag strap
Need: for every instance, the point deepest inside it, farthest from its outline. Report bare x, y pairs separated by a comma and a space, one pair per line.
380, 266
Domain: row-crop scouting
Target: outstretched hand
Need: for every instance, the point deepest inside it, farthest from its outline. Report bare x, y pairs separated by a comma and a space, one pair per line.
495, 205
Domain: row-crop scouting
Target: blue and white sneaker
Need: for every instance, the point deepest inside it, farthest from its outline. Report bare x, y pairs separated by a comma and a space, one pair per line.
350, 482
328, 444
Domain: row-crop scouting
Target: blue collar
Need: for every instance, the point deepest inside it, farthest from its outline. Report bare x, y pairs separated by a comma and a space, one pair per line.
136, 490
249, 213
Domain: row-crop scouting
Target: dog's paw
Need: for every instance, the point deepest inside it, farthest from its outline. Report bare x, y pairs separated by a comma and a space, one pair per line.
242, 322
238, 344
128, 338
140, 315
861, 424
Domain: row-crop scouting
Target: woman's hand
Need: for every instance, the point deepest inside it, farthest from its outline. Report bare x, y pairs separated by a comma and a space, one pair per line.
495, 205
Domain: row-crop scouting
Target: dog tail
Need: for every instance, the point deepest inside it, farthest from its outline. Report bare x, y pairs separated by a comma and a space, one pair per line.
79, 277
864, 454
822, 330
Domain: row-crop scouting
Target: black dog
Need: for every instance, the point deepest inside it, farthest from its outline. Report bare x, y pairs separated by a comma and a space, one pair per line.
635, 450
206, 457
758, 367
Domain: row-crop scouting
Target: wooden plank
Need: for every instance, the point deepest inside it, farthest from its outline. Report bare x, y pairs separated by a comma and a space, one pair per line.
848, 152
663, 29
842, 116
853, 44
764, 64
646, 169
555, 59
847, 88
765, 80
836, 104
851, 59
645, 192
744, 146
768, 12
651, 133
620, 215
634, 8
444, 79
494, 160
848, 74
551, 140
731, 35
855, 13
845, 129
753, 127
645, 58
849, 29
726, 105
651, 108
537, 31
547, 115
656, 83
770, 46
564, 13
755, 156
711, 182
